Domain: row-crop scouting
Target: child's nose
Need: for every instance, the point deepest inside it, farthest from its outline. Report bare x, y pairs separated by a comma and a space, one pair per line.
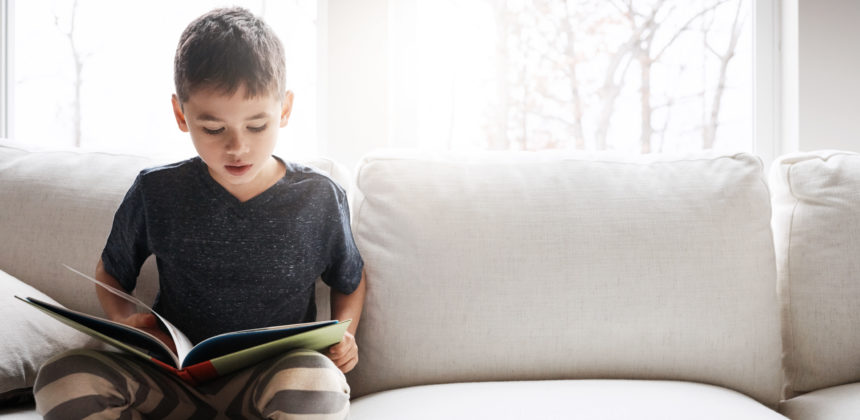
237, 145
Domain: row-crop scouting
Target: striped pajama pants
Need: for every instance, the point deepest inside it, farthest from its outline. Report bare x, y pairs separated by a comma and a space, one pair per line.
91, 384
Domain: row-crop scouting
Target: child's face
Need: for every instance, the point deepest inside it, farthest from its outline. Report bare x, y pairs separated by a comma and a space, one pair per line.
235, 136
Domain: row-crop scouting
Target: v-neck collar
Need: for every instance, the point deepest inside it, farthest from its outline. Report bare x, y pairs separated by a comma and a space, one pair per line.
224, 196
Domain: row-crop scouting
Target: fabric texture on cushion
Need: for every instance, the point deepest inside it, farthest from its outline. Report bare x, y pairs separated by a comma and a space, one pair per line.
29, 336
497, 266
816, 223
58, 208
836, 403
582, 399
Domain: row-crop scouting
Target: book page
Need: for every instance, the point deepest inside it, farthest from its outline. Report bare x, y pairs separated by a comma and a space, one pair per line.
234, 341
131, 339
183, 344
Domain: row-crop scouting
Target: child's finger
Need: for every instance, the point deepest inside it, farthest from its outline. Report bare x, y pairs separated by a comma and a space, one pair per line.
344, 353
347, 363
336, 351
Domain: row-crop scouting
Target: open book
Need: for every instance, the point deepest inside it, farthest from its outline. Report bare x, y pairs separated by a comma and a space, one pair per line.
216, 356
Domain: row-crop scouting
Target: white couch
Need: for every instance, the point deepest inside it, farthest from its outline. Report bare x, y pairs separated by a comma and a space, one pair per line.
531, 285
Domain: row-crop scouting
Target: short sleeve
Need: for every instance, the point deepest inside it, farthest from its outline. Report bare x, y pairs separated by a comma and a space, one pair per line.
343, 272
127, 247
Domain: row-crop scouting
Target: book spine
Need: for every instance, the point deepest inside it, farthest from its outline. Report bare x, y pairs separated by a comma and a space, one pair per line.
183, 374
202, 372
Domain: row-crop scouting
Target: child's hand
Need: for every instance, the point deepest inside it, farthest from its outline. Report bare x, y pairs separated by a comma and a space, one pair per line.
149, 323
344, 354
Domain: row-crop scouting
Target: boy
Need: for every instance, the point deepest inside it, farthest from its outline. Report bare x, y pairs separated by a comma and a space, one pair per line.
240, 237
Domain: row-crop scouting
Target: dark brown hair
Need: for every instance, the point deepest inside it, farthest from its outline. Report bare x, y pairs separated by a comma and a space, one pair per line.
225, 49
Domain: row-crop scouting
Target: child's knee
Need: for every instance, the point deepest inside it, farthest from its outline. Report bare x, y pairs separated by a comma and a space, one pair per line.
78, 383
303, 382
307, 369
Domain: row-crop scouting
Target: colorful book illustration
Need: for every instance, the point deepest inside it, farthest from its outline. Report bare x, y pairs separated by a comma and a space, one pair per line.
213, 357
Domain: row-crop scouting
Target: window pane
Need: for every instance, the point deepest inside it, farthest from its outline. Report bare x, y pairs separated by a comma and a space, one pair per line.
644, 76
99, 74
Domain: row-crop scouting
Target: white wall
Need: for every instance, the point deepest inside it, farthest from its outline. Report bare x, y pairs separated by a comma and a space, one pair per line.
828, 74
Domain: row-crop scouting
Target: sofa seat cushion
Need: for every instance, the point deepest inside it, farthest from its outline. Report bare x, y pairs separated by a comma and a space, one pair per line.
587, 399
835, 403
27, 412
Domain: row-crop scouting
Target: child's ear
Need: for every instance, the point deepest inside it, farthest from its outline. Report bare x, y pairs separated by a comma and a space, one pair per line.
180, 116
287, 108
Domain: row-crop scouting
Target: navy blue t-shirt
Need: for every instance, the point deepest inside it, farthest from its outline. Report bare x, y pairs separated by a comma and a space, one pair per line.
225, 265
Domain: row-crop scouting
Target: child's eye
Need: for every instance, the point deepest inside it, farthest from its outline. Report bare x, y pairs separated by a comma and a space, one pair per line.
258, 129
213, 132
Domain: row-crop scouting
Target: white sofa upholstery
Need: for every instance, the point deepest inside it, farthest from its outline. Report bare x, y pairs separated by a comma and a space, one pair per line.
816, 204
535, 266
564, 399
525, 285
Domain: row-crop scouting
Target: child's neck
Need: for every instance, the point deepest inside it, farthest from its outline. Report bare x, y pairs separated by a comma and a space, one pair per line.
273, 171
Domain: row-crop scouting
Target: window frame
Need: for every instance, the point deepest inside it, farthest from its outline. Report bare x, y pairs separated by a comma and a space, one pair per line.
767, 80
7, 79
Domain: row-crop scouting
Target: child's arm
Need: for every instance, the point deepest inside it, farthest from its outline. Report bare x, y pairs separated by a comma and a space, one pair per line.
122, 311
343, 307
115, 307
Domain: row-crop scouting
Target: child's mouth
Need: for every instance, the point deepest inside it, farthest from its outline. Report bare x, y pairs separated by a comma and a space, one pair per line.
237, 169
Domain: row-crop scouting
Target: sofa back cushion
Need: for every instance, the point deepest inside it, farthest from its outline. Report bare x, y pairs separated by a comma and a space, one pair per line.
57, 208
816, 223
521, 266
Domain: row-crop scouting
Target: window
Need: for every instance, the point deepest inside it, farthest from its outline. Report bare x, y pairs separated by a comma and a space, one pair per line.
643, 76
630, 76
99, 74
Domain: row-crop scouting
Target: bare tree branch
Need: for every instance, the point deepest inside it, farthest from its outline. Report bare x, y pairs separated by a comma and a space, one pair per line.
710, 131
611, 89
79, 59
623, 10
711, 49
570, 52
686, 26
